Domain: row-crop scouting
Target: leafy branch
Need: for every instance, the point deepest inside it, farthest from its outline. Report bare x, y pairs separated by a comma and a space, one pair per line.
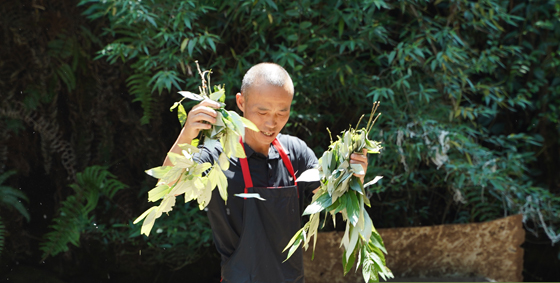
342, 192
186, 175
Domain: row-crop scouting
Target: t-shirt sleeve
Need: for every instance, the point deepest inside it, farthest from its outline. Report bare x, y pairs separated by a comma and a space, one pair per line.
306, 159
206, 155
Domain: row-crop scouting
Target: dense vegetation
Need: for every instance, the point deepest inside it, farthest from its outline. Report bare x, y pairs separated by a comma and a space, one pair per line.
469, 93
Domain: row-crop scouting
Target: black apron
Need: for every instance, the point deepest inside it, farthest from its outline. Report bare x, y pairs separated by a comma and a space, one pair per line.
268, 226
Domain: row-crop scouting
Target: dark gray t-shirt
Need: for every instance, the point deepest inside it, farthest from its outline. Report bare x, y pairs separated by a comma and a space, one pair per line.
266, 171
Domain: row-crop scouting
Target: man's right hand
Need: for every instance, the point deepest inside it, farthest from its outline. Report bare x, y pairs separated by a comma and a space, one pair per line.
201, 117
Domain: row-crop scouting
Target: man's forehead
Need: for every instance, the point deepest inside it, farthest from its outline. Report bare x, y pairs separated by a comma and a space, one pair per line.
267, 74
261, 85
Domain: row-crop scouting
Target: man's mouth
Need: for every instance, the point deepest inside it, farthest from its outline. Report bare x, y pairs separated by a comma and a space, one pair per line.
268, 134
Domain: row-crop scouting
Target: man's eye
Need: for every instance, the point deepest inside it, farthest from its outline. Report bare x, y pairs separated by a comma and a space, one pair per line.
262, 113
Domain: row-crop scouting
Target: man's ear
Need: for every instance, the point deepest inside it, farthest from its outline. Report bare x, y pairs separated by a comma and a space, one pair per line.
240, 99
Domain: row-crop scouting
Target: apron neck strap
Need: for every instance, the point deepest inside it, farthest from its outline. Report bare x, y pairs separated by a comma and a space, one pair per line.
245, 168
285, 158
245, 164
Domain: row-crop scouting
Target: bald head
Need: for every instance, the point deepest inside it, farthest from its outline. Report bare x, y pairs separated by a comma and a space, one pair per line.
266, 73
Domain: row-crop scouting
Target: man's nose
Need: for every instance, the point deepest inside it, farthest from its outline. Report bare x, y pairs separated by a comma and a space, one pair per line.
271, 121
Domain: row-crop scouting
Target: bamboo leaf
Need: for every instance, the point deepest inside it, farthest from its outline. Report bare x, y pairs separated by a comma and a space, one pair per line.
221, 181
310, 175
224, 161
352, 207
158, 172
250, 195
149, 222
184, 44
143, 215
357, 169
354, 236
348, 261
189, 148
182, 115
294, 248
191, 95
179, 160
319, 205
158, 192
218, 94
249, 124
375, 180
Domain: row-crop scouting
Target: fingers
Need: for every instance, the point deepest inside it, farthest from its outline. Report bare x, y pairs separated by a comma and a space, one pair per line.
201, 117
360, 158
202, 114
210, 103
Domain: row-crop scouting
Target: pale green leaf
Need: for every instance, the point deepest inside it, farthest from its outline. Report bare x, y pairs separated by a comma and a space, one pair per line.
238, 123
174, 106
219, 120
294, 238
293, 248
181, 114
143, 215
346, 237
199, 168
158, 172
319, 205
167, 204
249, 124
250, 195
158, 192
184, 44
224, 161
352, 207
189, 148
222, 186
376, 241
354, 236
191, 95
310, 175
348, 260
368, 226
149, 222
375, 180
182, 186
206, 193
179, 160
173, 174
357, 169
217, 94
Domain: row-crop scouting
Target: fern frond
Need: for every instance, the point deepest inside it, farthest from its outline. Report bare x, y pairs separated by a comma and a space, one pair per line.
139, 87
11, 198
91, 184
5, 176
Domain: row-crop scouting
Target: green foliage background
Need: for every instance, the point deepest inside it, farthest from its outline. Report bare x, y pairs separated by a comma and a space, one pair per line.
469, 92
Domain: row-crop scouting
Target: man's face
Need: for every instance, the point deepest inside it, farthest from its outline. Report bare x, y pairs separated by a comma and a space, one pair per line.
269, 108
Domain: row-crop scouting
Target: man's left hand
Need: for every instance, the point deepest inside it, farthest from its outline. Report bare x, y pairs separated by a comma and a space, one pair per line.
360, 158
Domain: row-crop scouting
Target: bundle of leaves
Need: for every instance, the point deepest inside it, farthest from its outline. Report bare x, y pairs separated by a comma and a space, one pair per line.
186, 176
343, 192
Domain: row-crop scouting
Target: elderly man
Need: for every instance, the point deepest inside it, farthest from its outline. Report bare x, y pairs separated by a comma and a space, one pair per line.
250, 234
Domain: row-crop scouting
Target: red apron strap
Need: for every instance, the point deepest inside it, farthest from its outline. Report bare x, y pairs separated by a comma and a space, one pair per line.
283, 155
285, 158
245, 168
